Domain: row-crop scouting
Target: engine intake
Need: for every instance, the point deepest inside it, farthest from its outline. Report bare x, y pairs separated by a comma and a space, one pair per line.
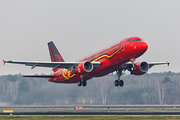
84, 67
141, 68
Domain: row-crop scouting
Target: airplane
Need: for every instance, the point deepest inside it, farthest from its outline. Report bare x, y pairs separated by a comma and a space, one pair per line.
118, 57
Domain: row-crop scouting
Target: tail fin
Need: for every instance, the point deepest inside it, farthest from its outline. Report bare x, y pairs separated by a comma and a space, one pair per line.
54, 54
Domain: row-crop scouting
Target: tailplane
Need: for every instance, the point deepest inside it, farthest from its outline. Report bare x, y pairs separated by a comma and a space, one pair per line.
54, 54
40, 76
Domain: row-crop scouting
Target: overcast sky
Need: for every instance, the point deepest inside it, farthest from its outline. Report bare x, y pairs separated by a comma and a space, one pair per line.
81, 27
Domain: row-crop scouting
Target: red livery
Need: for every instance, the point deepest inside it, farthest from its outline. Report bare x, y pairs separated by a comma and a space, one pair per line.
118, 57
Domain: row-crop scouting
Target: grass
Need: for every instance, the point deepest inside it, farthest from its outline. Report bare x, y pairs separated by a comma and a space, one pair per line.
90, 117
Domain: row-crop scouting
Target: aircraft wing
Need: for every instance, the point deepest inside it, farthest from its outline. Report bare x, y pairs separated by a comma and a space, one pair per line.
128, 65
53, 65
158, 63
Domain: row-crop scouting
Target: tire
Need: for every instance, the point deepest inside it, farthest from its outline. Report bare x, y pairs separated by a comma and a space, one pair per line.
121, 83
79, 83
116, 83
84, 83
134, 68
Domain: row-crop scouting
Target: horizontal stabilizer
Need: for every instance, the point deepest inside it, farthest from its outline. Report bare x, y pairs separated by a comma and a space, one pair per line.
40, 76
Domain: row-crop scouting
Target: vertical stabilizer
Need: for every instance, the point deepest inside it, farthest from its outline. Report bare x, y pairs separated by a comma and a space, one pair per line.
54, 54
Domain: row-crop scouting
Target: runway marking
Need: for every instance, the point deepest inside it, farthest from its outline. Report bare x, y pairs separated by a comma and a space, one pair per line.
7, 111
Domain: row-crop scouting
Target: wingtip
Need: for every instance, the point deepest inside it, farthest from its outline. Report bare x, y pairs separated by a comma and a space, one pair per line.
168, 62
4, 62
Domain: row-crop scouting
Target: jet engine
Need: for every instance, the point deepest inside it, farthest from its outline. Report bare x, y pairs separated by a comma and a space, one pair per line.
140, 68
84, 67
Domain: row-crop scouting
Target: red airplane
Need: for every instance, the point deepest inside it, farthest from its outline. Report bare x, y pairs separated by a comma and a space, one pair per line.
117, 57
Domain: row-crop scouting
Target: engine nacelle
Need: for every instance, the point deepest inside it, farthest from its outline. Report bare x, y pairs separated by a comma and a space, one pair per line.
84, 67
140, 68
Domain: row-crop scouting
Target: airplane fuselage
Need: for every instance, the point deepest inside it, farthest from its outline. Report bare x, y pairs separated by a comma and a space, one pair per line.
112, 58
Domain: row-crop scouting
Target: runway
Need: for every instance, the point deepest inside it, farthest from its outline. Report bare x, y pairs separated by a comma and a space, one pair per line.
93, 113
91, 110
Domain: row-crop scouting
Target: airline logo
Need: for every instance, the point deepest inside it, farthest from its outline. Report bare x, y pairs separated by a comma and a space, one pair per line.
67, 74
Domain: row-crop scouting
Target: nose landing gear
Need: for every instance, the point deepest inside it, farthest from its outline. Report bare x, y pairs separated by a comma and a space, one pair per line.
132, 60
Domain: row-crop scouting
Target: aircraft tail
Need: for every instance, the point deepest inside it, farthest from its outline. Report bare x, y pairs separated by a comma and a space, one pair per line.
54, 54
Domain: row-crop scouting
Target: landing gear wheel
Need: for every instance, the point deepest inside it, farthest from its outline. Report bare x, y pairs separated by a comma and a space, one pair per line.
84, 83
134, 68
116, 83
79, 83
121, 83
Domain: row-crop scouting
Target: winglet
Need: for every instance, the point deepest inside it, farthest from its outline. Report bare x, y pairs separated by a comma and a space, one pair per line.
168, 62
4, 62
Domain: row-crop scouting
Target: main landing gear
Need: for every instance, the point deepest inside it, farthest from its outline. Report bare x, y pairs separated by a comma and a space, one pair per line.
119, 82
81, 82
119, 73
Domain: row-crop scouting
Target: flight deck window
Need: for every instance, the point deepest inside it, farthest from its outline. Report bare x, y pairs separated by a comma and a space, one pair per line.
138, 39
134, 40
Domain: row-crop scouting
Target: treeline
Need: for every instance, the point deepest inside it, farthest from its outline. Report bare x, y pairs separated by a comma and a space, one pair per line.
155, 88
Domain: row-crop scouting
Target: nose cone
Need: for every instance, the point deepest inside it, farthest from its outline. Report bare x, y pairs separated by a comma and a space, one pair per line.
140, 48
143, 46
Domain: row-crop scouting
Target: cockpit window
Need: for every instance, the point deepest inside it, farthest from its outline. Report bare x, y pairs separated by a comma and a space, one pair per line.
134, 40
138, 39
